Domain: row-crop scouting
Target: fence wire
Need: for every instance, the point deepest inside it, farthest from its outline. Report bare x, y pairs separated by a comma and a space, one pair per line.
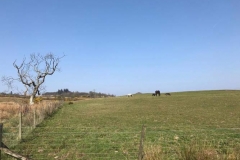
65, 143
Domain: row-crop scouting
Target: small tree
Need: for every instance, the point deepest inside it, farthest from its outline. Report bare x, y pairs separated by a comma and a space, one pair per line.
32, 74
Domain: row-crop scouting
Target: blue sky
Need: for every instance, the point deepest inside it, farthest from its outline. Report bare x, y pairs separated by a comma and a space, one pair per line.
126, 46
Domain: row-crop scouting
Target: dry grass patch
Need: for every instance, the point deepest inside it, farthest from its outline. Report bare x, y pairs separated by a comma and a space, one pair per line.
153, 152
9, 110
189, 152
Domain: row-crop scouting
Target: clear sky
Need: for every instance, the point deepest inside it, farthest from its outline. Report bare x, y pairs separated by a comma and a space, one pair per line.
126, 46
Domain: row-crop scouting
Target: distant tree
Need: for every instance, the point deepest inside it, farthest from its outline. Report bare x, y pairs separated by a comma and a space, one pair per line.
66, 90
91, 94
32, 74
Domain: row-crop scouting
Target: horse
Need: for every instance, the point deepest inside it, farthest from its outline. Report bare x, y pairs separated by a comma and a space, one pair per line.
157, 92
153, 94
129, 95
167, 94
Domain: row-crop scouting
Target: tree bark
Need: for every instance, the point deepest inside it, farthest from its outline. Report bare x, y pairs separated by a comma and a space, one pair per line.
31, 100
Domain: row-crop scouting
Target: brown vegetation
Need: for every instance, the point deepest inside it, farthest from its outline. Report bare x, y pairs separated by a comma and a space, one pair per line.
11, 109
8, 109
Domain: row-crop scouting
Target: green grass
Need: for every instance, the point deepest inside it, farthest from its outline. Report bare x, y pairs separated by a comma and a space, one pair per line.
182, 126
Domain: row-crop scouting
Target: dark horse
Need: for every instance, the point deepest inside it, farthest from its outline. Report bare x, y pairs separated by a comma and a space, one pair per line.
157, 92
167, 94
153, 94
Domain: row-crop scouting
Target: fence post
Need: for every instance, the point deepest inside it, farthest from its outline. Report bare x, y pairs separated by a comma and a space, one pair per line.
34, 117
1, 132
141, 149
1, 116
20, 124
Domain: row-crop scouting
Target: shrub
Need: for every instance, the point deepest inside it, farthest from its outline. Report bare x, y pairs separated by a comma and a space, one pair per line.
37, 100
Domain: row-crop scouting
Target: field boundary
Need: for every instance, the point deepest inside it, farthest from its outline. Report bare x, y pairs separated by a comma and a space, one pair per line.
16, 155
146, 141
6, 150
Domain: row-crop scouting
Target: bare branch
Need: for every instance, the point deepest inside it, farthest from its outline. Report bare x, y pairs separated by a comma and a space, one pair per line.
25, 93
8, 81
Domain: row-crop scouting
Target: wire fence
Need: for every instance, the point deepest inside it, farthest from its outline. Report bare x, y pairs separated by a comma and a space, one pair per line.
46, 143
76, 143
22, 135
20, 118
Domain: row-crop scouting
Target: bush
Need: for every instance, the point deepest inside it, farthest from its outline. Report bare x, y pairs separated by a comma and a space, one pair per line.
37, 100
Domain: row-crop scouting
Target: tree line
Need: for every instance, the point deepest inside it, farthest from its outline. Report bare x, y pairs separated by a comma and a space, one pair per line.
67, 93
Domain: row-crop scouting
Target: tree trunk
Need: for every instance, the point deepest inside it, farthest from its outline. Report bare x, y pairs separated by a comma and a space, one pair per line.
31, 100
33, 96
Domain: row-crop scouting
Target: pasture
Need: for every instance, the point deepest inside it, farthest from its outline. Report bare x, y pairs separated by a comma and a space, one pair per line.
185, 125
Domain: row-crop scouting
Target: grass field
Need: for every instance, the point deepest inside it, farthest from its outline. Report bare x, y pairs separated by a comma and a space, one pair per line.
185, 125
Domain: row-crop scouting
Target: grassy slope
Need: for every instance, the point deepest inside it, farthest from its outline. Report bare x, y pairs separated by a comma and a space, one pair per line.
113, 125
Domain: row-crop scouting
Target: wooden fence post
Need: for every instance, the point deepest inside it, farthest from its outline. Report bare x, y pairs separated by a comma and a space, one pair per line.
1, 116
1, 132
20, 125
141, 149
34, 117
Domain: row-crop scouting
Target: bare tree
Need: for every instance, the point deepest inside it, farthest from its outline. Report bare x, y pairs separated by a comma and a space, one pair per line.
32, 74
